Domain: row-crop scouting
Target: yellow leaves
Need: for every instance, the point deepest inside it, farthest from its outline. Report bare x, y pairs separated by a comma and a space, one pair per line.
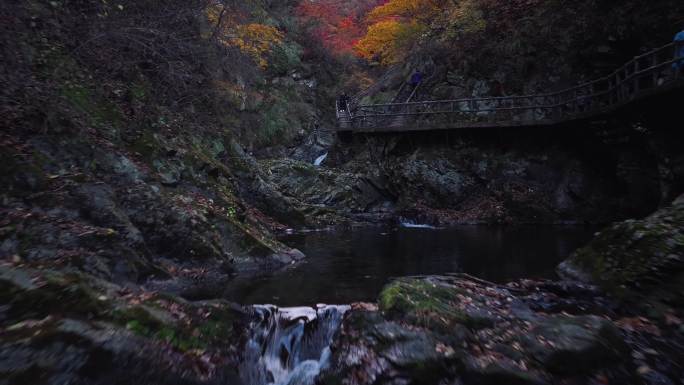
386, 41
399, 25
253, 39
414, 9
256, 40
466, 17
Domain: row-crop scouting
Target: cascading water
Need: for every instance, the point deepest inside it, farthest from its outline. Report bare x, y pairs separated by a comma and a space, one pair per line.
320, 159
289, 346
413, 225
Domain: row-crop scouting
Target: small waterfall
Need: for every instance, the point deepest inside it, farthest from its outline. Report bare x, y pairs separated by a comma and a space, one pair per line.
408, 223
289, 346
320, 159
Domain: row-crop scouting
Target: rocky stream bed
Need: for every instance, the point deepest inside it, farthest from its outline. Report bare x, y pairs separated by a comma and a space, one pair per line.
441, 329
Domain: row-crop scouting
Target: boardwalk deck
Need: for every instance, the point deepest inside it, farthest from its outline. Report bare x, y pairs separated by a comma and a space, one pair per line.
644, 76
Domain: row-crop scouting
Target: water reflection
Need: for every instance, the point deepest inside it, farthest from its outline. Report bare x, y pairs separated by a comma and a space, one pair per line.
353, 265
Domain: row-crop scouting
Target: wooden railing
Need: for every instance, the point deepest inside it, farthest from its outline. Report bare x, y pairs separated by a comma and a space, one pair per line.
647, 74
344, 118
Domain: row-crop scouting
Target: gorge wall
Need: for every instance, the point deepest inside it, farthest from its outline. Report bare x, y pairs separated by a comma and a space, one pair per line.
150, 151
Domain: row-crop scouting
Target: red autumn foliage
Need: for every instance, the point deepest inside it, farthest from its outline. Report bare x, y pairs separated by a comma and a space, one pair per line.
337, 24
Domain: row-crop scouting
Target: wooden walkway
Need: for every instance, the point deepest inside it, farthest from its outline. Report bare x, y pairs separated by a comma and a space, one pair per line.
644, 76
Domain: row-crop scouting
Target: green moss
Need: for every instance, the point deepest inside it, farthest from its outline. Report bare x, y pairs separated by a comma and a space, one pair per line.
215, 330
139, 92
274, 124
100, 111
59, 294
74, 296
146, 145
304, 168
631, 256
426, 304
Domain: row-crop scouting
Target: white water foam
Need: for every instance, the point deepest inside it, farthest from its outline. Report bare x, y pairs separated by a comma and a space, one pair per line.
320, 159
289, 346
407, 223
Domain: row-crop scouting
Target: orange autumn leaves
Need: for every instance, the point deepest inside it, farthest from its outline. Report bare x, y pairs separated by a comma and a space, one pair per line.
253, 39
394, 27
381, 31
398, 25
256, 40
337, 24
413, 10
373, 29
387, 40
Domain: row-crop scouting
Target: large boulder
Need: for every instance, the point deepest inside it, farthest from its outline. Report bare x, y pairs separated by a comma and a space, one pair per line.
74, 328
458, 329
636, 258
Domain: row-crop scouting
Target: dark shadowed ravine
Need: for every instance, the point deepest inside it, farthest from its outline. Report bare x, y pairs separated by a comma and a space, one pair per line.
346, 266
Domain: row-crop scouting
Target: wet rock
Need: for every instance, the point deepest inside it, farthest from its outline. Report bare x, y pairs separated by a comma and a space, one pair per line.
575, 345
636, 258
76, 328
434, 303
371, 350
472, 332
326, 191
438, 178
169, 176
123, 166
97, 202
500, 373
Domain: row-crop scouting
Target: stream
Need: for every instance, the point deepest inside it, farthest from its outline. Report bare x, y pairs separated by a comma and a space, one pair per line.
289, 346
348, 266
289, 340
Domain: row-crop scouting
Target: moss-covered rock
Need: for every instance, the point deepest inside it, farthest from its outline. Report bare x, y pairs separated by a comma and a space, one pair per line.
61, 326
433, 304
637, 258
462, 329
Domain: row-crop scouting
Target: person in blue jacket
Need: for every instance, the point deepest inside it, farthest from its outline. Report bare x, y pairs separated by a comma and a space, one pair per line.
679, 51
416, 78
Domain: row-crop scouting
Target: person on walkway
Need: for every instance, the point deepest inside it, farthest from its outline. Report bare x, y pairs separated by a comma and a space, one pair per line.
343, 102
416, 78
679, 51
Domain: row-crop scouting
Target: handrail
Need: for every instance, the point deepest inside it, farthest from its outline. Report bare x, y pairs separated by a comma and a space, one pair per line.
377, 85
640, 74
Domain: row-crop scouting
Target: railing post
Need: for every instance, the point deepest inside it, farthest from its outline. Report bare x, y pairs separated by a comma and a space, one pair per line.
654, 69
636, 77
678, 66
627, 84
619, 87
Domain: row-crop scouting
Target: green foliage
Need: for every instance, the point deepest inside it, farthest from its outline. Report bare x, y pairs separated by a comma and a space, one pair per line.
274, 124
285, 57
99, 110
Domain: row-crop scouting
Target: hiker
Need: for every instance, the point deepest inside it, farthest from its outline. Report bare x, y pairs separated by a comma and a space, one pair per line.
343, 102
416, 78
679, 51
